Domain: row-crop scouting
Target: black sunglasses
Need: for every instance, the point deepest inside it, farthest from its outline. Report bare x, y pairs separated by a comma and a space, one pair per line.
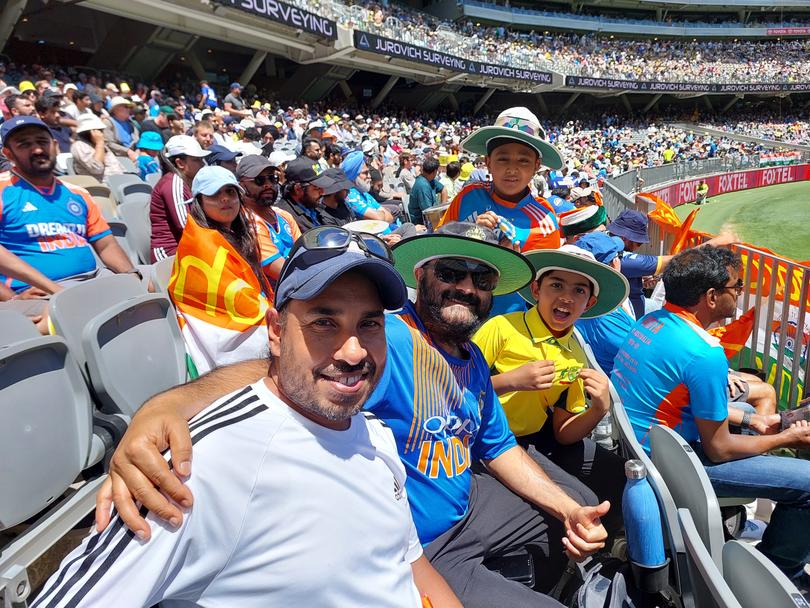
454, 270
331, 241
268, 179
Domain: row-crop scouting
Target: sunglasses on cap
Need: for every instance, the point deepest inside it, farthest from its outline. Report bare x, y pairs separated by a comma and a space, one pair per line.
331, 241
454, 270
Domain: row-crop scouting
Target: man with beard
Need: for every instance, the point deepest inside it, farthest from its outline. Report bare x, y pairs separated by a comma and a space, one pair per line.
335, 212
301, 497
276, 229
45, 222
303, 187
437, 398
360, 201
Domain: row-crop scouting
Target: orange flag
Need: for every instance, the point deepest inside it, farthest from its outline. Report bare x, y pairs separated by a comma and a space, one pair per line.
219, 301
683, 233
662, 212
734, 335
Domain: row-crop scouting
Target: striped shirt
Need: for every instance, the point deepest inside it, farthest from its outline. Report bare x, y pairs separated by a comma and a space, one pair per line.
286, 513
168, 211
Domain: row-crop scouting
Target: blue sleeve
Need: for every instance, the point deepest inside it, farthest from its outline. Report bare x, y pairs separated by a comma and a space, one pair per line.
494, 436
356, 203
437, 185
636, 265
706, 378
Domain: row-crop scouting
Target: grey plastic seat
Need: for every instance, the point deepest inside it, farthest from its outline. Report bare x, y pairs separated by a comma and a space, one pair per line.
147, 326
46, 434
139, 227
15, 326
711, 590
162, 273
120, 229
127, 164
107, 206
153, 178
117, 182
756, 581
690, 487
135, 187
73, 308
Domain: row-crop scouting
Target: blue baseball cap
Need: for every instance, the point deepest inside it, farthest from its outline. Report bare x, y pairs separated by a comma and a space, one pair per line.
209, 181
311, 272
235, 85
19, 122
604, 247
219, 154
632, 225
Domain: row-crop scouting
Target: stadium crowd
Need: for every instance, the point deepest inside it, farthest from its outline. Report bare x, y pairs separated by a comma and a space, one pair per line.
792, 128
594, 55
476, 390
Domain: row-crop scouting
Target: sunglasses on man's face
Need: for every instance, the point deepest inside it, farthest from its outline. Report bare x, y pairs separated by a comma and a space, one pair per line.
453, 271
261, 180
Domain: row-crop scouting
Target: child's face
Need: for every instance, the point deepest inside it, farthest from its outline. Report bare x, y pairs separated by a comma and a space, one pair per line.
562, 297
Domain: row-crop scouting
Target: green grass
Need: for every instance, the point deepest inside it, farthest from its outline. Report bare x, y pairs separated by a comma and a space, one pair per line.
775, 217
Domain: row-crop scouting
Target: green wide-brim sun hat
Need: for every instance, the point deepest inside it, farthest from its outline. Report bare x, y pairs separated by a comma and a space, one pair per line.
476, 143
515, 270
613, 287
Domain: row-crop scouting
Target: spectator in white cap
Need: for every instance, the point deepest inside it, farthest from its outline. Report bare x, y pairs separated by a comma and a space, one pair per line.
91, 155
180, 160
121, 132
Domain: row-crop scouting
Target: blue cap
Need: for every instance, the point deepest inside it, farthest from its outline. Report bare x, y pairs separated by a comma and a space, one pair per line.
632, 225
150, 140
209, 181
604, 247
311, 272
219, 154
235, 85
18, 122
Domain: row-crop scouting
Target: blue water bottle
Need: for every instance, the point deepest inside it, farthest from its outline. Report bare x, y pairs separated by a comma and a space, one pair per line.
642, 519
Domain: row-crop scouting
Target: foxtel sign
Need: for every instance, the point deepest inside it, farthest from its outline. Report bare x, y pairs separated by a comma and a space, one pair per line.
686, 192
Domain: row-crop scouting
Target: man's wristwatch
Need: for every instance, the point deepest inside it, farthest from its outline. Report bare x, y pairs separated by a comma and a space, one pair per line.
745, 424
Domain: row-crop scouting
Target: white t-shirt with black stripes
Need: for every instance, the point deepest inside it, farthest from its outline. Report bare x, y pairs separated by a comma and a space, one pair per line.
286, 513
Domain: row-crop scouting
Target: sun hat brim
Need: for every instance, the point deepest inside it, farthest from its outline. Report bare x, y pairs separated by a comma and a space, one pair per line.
514, 269
476, 143
613, 287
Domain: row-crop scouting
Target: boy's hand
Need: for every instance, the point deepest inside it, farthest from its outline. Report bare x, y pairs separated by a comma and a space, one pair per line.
534, 376
488, 219
596, 384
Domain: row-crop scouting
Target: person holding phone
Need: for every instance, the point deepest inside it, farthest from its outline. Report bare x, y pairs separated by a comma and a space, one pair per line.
91, 156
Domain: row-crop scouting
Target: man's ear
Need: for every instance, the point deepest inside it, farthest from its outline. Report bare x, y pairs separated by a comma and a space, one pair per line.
418, 273
274, 331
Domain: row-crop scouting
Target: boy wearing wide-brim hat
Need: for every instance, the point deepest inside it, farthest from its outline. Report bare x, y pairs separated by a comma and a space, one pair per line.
539, 366
515, 148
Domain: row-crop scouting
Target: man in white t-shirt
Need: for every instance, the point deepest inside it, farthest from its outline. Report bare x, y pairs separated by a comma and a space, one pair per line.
299, 496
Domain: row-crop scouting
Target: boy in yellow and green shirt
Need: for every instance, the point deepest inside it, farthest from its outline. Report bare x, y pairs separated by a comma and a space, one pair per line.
540, 371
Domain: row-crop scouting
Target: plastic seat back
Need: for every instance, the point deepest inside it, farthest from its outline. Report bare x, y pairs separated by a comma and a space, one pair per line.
139, 227
73, 308
145, 325
117, 182
689, 485
107, 206
80, 180
153, 178
127, 164
136, 187
15, 326
162, 272
711, 591
756, 581
46, 426
120, 229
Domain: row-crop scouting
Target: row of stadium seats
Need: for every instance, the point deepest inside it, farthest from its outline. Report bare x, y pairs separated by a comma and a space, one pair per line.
67, 401
705, 570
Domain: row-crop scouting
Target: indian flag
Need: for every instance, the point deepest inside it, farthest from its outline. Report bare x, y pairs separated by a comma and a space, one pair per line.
219, 301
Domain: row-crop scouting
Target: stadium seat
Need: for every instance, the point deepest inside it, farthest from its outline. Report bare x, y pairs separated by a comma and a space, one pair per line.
136, 215
153, 178
73, 308
690, 487
756, 581
145, 325
141, 198
162, 272
15, 326
140, 186
69, 166
711, 591
89, 183
107, 206
117, 183
127, 164
119, 229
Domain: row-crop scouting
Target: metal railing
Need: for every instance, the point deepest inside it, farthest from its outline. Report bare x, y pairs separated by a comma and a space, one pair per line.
778, 344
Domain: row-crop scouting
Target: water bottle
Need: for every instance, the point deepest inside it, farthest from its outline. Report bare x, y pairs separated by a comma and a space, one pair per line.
642, 519
603, 432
